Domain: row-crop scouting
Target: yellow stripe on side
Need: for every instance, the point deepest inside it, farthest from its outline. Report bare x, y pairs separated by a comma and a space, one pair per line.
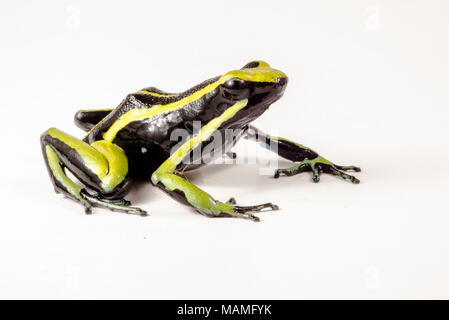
156, 94
194, 195
137, 114
260, 74
206, 131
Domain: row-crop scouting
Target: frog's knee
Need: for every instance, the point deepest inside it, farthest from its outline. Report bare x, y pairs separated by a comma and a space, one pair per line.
155, 178
48, 132
47, 135
118, 191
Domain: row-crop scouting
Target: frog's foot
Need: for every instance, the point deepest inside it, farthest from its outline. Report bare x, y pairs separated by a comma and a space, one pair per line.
120, 205
319, 165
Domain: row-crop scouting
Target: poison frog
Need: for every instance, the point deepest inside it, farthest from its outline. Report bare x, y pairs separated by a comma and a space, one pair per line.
134, 142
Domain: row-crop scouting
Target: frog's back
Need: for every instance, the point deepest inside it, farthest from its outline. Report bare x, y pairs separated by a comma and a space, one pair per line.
144, 121
149, 114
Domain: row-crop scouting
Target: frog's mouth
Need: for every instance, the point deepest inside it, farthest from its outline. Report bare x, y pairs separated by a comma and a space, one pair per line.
264, 99
263, 95
267, 93
257, 99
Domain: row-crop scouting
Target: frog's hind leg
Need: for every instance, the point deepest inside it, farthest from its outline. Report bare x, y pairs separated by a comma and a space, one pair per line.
306, 158
87, 119
101, 166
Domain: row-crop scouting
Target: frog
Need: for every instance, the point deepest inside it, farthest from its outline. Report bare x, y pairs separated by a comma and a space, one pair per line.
133, 142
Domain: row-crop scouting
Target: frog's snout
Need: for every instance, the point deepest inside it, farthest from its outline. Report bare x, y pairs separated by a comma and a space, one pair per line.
281, 84
282, 81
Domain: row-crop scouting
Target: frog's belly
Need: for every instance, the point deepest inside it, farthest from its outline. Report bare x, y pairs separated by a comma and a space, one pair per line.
146, 156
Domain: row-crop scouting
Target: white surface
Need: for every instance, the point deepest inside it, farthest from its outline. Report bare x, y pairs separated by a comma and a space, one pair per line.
368, 86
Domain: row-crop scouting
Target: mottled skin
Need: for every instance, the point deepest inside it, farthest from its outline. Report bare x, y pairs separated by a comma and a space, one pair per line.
134, 141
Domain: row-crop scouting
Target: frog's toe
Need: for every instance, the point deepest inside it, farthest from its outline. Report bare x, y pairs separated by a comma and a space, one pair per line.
128, 210
122, 202
119, 205
348, 168
138, 211
292, 171
336, 171
246, 212
248, 216
299, 168
256, 208
88, 209
316, 170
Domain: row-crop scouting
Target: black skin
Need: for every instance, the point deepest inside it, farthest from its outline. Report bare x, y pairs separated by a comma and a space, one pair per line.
153, 134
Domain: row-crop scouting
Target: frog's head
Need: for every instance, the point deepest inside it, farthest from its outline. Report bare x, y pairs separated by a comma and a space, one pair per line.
257, 82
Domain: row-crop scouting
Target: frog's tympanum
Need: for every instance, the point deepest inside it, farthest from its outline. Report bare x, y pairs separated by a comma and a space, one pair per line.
133, 141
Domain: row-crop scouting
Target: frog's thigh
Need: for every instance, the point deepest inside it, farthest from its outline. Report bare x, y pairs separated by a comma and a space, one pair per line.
102, 166
186, 192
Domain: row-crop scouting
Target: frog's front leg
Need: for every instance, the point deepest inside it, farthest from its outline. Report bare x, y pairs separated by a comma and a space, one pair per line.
306, 158
186, 192
102, 166
171, 181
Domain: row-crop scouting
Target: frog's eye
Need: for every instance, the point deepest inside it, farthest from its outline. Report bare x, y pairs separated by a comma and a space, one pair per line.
235, 84
256, 64
250, 65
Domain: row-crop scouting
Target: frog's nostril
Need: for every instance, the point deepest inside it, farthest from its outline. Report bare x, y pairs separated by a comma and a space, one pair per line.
281, 81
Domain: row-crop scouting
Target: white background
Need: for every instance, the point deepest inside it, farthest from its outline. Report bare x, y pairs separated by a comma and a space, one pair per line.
368, 86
